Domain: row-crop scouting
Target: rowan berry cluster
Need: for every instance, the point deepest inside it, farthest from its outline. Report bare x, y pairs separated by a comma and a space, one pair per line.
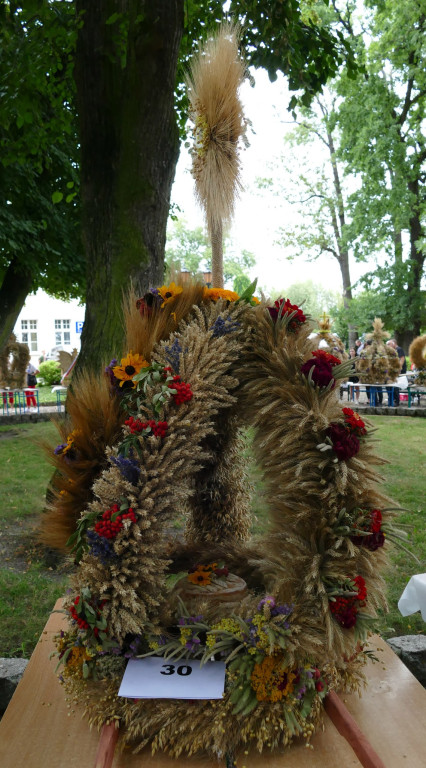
158, 428
183, 391
111, 522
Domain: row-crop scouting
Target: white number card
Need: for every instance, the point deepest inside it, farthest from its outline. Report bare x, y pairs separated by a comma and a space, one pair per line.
158, 678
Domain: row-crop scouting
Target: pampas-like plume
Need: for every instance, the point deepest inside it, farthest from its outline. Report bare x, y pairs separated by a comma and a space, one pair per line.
213, 82
417, 352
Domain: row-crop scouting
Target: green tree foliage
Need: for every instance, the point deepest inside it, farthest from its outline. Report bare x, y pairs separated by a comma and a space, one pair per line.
39, 238
381, 119
317, 192
189, 250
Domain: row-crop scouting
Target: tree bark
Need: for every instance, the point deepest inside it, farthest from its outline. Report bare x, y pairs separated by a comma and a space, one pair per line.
14, 290
125, 74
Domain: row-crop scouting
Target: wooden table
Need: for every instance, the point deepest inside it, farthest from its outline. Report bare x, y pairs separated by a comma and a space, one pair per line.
38, 730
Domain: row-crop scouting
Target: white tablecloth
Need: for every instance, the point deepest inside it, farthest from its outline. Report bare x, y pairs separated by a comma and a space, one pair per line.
413, 597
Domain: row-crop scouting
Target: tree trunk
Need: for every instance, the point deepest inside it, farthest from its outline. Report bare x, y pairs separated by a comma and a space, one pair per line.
125, 73
14, 290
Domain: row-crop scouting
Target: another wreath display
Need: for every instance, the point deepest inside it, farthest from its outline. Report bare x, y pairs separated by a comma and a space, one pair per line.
163, 435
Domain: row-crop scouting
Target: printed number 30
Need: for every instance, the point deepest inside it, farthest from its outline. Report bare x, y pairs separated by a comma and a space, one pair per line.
170, 669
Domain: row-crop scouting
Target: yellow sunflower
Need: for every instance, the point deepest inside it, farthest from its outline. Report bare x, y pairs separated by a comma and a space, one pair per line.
220, 293
200, 577
168, 292
130, 366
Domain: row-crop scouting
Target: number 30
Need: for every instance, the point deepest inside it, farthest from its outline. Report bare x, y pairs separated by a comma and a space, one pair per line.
183, 671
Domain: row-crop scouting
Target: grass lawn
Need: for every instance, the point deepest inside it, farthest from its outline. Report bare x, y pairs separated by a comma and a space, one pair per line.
29, 588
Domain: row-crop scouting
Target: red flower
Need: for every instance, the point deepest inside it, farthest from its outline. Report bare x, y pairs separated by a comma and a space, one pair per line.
354, 422
321, 365
326, 357
376, 520
345, 444
283, 307
319, 686
362, 589
345, 609
183, 391
111, 523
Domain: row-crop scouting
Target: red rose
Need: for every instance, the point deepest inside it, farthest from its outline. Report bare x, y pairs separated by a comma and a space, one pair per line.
345, 444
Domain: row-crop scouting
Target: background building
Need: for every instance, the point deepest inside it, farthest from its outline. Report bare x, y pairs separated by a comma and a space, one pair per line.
46, 323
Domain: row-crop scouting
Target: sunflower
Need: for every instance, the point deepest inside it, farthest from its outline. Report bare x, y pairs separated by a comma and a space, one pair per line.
168, 292
202, 578
220, 293
130, 366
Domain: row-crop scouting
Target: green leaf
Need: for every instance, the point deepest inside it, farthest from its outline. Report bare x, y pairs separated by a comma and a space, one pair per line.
57, 197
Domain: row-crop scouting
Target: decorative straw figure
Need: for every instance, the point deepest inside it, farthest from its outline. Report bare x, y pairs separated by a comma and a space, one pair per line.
323, 338
213, 82
417, 355
378, 363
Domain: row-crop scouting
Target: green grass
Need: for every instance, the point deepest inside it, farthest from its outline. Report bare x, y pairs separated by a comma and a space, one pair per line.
26, 600
30, 593
24, 469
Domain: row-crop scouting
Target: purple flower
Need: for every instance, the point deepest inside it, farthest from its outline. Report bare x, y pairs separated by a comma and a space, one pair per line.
173, 355
223, 326
128, 468
269, 601
101, 547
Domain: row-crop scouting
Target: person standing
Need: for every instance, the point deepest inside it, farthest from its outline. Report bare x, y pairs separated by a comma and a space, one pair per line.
402, 368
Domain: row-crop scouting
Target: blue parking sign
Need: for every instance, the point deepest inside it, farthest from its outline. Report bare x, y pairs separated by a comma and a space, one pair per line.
79, 326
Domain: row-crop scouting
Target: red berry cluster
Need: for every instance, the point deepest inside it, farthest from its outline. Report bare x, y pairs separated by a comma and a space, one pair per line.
158, 428
183, 391
82, 623
345, 609
110, 528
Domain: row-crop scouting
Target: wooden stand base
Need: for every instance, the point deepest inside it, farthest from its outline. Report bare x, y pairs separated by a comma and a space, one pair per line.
38, 730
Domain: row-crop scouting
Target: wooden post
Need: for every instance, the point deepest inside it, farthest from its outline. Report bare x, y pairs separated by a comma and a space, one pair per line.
106, 747
348, 728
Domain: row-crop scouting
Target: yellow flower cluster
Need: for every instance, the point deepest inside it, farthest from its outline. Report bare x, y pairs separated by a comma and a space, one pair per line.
185, 634
226, 624
70, 441
270, 680
220, 293
74, 663
263, 641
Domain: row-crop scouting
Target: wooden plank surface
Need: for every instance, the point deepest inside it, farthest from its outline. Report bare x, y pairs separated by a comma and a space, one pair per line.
38, 730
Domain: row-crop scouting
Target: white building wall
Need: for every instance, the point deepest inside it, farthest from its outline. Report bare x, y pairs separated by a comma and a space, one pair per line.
46, 322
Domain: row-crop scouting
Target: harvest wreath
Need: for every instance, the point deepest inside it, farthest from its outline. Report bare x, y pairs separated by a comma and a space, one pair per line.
160, 435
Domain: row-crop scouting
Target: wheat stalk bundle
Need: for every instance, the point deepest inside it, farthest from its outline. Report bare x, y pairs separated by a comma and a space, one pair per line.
213, 84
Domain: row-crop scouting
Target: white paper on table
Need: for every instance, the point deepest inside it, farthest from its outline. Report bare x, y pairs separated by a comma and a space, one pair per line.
413, 597
159, 678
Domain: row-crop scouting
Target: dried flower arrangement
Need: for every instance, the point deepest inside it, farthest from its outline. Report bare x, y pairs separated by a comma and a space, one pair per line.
204, 363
